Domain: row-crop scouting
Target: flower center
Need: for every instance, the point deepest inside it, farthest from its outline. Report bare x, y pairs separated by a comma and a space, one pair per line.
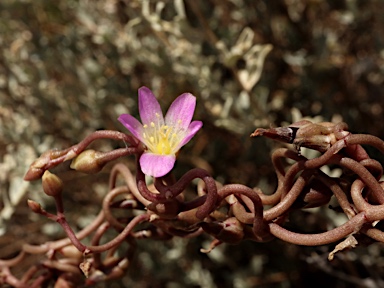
162, 139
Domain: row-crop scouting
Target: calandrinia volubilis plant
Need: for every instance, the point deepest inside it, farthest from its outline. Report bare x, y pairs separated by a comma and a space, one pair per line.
163, 136
230, 213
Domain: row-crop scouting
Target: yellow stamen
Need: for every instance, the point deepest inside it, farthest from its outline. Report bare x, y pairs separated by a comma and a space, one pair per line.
163, 139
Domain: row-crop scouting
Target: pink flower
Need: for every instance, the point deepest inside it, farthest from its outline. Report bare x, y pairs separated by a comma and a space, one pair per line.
163, 136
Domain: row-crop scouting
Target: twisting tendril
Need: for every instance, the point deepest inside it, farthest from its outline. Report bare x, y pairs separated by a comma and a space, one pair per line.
229, 213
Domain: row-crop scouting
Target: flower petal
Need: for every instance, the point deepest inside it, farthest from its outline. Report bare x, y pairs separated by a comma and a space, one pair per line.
181, 111
193, 128
149, 107
132, 124
156, 165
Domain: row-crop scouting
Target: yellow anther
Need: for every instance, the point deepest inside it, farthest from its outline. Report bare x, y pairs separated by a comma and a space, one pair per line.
161, 138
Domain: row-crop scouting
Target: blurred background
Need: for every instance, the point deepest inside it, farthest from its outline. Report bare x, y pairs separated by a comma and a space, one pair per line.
68, 68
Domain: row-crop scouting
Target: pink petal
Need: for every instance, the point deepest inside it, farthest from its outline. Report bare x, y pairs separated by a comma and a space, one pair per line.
181, 111
132, 124
193, 128
156, 165
149, 107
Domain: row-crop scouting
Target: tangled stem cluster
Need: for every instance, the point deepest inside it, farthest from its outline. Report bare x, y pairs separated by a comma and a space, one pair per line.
229, 213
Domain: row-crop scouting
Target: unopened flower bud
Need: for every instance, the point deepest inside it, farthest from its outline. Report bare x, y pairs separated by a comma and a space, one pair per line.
71, 252
166, 210
88, 161
33, 174
229, 231
37, 168
52, 185
34, 206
